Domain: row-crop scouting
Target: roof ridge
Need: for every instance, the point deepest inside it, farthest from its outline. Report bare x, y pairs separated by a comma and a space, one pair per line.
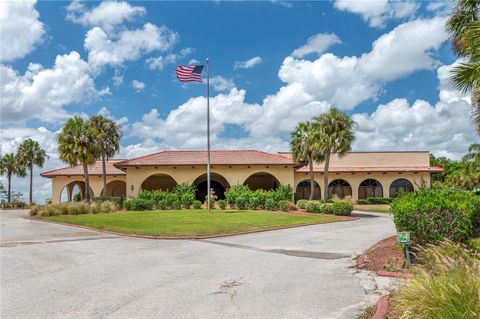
72, 166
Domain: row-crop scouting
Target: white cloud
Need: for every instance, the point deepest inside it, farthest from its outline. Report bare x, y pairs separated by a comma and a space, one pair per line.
376, 13
127, 45
137, 85
117, 78
20, 29
318, 44
43, 93
348, 81
193, 61
444, 128
121, 121
220, 83
159, 62
248, 64
107, 15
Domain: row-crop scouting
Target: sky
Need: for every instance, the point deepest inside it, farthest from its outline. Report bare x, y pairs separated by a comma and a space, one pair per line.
272, 64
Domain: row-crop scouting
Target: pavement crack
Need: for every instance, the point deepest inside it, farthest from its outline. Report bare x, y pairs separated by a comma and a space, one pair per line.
229, 288
288, 252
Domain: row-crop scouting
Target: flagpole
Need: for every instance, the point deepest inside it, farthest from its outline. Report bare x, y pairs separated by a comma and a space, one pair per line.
208, 135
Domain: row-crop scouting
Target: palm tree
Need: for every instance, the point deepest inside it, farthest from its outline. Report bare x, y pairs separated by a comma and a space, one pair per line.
11, 165
30, 153
107, 136
304, 147
76, 145
464, 29
336, 136
473, 159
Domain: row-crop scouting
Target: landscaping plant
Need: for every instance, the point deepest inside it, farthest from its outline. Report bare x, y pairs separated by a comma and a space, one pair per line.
435, 214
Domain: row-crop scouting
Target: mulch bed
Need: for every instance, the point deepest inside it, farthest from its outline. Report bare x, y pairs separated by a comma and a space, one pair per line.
385, 258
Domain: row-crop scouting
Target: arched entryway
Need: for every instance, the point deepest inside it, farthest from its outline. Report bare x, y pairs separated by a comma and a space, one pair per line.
370, 188
163, 182
339, 188
116, 189
303, 190
262, 180
400, 185
74, 191
217, 182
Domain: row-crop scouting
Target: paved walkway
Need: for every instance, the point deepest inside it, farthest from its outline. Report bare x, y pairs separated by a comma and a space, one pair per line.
55, 271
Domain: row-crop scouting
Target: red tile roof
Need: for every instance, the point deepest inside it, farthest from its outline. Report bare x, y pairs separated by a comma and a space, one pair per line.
320, 169
95, 169
227, 157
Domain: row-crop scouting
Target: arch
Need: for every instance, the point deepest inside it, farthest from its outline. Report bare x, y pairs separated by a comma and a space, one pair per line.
159, 181
217, 182
303, 190
116, 188
370, 188
262, 180
73, 188
400, 185
339, 188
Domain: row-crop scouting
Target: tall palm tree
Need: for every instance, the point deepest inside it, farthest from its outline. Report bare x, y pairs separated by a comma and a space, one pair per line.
30, 153
11, 165
464, 28
76, 145
304, 147
336, 136
107, 136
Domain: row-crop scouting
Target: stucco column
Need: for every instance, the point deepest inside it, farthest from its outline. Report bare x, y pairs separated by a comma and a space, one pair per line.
56, 191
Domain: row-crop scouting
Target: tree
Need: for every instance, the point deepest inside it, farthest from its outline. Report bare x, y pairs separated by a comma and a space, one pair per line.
30, 153
305, 150
464, 28
11, 165
473, 161
107, 136
335, 130
76, 145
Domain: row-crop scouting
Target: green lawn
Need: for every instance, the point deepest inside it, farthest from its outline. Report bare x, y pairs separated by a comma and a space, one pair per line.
190, 223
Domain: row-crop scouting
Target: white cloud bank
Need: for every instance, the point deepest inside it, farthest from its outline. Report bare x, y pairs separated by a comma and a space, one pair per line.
21, 30
318, 44
377, 12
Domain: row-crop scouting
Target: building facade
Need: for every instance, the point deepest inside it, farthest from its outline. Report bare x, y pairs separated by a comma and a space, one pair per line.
357, 175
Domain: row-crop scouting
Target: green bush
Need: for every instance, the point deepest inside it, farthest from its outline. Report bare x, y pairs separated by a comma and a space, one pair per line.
302, 203
379, 200
445, 285
185, 193
435, 214
142, 204
222, 204
271, 204
197, 204
236, 191
363, 202
283, 205
241, 202
187, 200
128, 204
254, 202
341, 208
162, 204
176, 204
212, 204
283, 192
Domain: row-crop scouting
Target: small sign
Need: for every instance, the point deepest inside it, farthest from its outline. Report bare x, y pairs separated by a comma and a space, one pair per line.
403, 237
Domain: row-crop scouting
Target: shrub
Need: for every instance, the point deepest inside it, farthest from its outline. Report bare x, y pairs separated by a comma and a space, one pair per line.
378, 200
176, 204
241, 202
262, 196
162, 204
187, 200
142, 204
445, 285
283, 205
302, 203
435, 214
363, 202
196, 204
342, 208
212, 203
283, 192
315, 207
236, 191
222, 204
34, 210
254, 202
475, 244
185, 193
128, 204
271, 204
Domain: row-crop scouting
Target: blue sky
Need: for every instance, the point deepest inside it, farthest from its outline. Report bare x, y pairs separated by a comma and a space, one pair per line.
273, 64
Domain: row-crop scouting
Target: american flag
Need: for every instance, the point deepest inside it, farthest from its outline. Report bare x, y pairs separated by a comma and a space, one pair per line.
189, 73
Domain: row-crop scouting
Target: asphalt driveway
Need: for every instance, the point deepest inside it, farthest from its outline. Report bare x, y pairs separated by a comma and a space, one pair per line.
55, 271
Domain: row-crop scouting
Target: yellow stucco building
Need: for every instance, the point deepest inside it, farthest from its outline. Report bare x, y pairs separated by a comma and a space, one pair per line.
357, 175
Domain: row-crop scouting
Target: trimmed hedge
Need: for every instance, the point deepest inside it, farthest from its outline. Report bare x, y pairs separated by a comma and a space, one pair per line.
337, 207
375, 201
242, 197
435, 214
